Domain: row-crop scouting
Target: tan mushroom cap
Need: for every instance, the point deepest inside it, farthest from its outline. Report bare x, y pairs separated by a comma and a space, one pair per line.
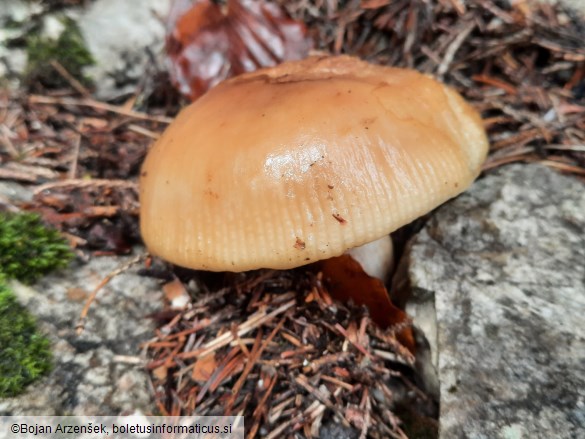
301, 162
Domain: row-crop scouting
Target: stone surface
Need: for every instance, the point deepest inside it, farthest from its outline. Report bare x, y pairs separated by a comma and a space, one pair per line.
12, 60
505, 263
100, 372
12, 192
121, 36
124, 37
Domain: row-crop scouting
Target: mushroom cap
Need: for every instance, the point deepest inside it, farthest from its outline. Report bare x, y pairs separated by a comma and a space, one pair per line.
303, 161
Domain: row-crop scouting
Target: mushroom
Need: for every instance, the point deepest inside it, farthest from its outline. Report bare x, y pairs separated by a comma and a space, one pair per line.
304, 161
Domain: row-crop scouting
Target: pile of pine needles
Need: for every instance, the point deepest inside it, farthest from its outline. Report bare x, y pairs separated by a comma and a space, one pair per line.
272, 345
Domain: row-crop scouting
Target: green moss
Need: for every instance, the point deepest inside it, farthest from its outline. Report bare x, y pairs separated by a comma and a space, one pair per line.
28, 249
68, 49
24, 354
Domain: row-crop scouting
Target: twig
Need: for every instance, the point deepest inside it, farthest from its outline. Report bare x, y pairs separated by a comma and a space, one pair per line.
257, 319
358, 346
254, 356
47, 100
82, 316
261, 404
563, 167
80, 183
508, 88
302, 381
141, 130
366, 405
575, 148
76, 145
337, 382
453, 47
8, 145
78, 86
127, 359
12, 174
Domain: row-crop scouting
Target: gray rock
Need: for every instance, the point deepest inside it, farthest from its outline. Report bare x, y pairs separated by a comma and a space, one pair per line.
13, 60
12, 192
505, 263
120, 35
101, 371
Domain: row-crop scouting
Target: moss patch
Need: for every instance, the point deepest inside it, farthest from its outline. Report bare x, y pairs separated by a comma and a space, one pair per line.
28, 249
24, 354
68, 49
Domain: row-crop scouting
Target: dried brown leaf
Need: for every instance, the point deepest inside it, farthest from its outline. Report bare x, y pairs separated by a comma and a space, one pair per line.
208, 43
347, 281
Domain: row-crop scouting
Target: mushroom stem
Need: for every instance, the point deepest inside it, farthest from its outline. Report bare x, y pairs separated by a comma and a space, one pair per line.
376, 257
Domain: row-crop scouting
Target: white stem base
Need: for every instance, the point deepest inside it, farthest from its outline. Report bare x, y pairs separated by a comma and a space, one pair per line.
376, 257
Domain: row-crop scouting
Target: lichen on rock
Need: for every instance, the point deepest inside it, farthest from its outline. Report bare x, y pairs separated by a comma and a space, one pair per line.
32, 34
59, 40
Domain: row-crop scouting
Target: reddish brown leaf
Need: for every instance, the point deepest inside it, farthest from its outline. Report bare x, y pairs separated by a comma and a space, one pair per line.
346, 280
208, 43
